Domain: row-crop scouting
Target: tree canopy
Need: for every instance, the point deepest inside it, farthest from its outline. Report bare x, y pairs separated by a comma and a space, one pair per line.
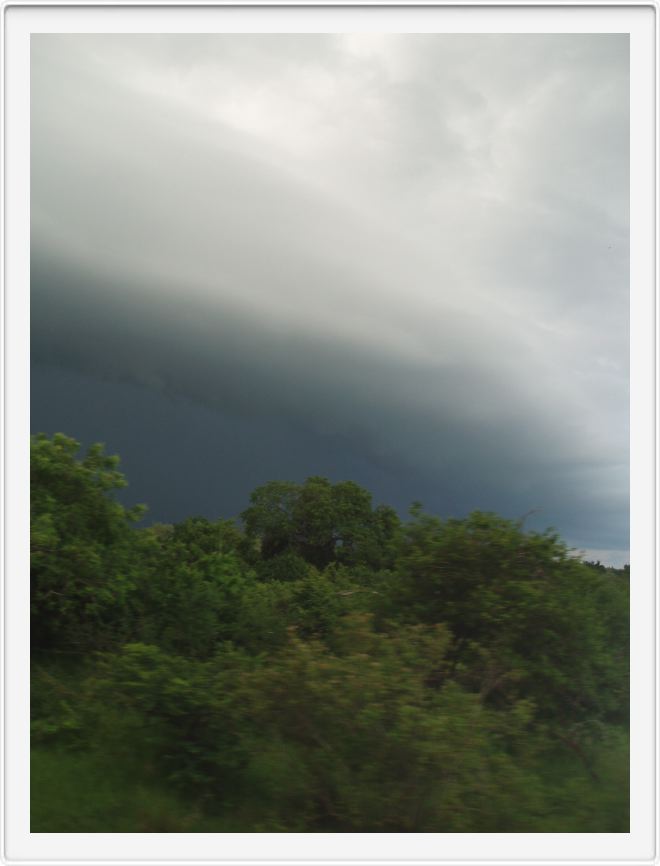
319, 521
322, 665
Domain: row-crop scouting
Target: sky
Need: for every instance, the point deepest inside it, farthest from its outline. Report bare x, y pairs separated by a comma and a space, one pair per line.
401, 259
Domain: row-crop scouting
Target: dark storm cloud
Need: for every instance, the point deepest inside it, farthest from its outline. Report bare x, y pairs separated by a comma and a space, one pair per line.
450, 435
379, 252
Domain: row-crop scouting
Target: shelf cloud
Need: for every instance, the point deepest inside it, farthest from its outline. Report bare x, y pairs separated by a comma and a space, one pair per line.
401, 259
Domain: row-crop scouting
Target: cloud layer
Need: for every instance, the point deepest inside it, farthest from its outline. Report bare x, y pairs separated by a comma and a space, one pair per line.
408, 253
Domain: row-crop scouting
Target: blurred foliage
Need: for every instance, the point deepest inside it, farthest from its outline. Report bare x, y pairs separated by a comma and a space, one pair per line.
323, 667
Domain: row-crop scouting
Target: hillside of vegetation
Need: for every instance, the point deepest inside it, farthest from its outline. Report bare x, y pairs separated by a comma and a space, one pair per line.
320, 665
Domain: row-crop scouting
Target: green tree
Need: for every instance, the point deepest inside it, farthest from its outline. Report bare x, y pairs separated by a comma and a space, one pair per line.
190, 586
528, 619
82, 568
319, 521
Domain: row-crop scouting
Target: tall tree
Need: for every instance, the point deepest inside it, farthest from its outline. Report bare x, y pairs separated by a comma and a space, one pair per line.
319, 521
80, 544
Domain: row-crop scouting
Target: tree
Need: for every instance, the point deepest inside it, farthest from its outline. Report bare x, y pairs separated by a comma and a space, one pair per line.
270, 520
189, 590
318, 521
528, 619
81, 563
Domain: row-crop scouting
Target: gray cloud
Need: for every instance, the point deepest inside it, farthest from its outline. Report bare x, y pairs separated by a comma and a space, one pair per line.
411, 251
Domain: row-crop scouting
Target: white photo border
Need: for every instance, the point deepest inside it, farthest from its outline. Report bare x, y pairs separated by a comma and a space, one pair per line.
19, 20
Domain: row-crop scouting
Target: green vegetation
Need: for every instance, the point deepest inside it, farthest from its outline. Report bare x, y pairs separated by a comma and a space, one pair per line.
322, 666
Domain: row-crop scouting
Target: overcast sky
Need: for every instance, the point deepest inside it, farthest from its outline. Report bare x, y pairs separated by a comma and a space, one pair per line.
400, 259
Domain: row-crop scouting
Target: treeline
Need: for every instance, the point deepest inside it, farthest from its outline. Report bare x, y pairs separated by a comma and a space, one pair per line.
321, 665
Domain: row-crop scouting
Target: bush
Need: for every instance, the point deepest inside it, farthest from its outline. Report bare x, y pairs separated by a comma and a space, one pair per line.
357, 738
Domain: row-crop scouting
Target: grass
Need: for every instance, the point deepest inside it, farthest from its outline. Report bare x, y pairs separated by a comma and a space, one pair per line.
74, 792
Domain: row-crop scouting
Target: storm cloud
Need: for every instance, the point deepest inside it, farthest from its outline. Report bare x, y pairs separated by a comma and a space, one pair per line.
399, 259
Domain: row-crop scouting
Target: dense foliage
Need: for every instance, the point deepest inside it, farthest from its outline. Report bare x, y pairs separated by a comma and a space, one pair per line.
319, 666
